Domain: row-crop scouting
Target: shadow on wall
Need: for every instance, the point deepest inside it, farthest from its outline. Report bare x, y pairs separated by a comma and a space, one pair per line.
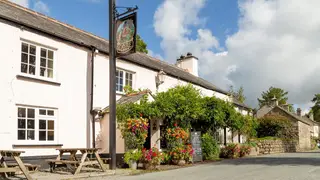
274, 161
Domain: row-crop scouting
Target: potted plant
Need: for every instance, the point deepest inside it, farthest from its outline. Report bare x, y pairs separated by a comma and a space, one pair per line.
181, 154
151, 158
131, 157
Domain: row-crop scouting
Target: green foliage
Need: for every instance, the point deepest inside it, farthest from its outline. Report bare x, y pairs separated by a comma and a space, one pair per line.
245, 150
316, 107
132, 155
141, 45
135, 132
166, 158
276, 126
181, 104
278, 93
210, 147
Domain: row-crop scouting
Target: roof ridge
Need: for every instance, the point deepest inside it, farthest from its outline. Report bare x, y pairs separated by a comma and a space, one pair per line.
52, 19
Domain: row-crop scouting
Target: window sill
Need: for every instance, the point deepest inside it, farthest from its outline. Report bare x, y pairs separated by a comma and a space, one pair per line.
37, 145
120, 93
35, 79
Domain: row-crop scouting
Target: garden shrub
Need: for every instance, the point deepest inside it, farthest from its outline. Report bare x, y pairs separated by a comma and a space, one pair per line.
245, 150
210, 147
230, 151
314, 143
276, 126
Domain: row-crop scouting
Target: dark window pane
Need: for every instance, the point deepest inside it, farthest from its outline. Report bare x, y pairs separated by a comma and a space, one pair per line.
50, 54
120, 88
32, 70
21, 134
24, 47
31, 113
21, 112
130, 83
32, 60
32, 50
24, 68
42, 112
43, 53
117, 73
50, 64
51, 125
42, 135
121, 74
50, 112
50, 135
21, 123
24, 58
42, 124
30, 134
127, 75
43, 62
130, 76
30, 124
117, 88
42, 71
121, 81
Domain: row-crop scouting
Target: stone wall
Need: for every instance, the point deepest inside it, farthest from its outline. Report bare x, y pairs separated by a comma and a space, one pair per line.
277, 146
304, 136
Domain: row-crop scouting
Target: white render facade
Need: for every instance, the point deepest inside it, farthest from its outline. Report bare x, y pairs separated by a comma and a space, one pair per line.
45, 97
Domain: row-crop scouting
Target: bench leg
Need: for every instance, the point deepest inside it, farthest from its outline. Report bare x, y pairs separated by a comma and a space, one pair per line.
52, 166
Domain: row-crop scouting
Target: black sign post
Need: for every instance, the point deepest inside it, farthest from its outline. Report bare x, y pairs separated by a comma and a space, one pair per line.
125, 33
196, 145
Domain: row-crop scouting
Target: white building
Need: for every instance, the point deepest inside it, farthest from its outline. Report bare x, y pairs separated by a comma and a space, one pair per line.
46, 76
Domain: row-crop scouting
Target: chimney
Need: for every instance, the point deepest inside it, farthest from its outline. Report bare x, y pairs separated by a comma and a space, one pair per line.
188, 62
274, 101
299, 112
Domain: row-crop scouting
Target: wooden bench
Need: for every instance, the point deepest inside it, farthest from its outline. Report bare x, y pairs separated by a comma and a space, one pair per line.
104, 160
53, 162
30, 167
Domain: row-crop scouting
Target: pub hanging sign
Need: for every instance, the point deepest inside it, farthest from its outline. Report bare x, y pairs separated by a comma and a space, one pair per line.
126, 35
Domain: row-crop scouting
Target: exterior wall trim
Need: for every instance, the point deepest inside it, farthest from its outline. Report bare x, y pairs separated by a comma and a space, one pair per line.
34, 79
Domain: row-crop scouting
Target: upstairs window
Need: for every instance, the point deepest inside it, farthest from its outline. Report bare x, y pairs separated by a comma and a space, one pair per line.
124, 78
28, 59
37, 61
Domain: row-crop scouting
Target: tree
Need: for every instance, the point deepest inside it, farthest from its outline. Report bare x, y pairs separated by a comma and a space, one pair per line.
141, 45
239, 94
316, 108
273, 92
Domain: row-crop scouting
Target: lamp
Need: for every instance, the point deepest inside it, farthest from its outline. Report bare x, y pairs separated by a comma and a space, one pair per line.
161, 75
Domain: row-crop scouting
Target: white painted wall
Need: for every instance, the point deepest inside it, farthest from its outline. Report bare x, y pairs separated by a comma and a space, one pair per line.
69, 98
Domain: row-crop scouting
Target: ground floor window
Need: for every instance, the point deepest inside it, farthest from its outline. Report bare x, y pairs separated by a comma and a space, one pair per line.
163, 140
36, 124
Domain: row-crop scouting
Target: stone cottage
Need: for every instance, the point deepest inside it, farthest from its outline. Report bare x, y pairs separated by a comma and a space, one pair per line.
306, 127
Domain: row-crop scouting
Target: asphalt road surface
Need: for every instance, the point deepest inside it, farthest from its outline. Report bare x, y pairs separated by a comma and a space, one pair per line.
288, 166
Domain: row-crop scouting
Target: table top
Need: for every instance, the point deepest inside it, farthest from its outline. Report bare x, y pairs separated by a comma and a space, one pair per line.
10, 151
77, 149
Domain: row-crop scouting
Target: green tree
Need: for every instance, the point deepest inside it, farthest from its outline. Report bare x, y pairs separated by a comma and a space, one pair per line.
273, 92
141, 45
316, 108
239, 94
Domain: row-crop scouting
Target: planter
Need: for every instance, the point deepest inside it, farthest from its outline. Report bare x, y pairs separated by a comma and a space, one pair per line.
180, 162
133, 165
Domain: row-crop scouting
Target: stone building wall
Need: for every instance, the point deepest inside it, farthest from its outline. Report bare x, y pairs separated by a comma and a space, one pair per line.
277, 146
304, 136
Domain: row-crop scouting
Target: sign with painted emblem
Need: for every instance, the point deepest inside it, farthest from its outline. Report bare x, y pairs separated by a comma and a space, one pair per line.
126, 35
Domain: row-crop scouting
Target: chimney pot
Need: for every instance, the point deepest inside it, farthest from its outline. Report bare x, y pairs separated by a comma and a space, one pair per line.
299, 112
189, 54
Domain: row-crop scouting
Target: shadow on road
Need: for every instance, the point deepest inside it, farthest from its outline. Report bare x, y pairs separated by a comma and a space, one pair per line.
274, 161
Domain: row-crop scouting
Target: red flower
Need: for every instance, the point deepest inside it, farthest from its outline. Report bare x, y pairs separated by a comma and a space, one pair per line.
154, 154
175, 124
141, 114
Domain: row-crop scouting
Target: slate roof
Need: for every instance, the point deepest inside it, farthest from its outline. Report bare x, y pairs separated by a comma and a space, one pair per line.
266, 109
35, 21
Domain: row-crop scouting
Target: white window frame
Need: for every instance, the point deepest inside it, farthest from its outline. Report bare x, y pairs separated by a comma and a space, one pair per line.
124, 80
37, 119
38, 61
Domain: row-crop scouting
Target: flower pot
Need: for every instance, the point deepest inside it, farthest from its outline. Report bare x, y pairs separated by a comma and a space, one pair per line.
133, 165
180, 162
150, 166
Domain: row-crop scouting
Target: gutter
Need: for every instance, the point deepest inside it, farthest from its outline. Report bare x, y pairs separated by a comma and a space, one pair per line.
92, 111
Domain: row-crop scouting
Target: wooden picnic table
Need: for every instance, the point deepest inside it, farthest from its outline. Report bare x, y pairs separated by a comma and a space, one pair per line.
16, 156
84, 161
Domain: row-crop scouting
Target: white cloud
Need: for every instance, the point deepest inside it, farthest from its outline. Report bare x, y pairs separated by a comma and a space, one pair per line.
277, 44
156, 55
41, 7
24, 3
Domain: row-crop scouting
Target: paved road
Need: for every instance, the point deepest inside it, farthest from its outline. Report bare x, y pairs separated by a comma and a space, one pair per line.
289, 166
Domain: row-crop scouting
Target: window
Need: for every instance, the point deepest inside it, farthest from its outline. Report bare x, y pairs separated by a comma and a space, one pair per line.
46, 63
37, 61
124, 78
36, 124
46, 125
28, 59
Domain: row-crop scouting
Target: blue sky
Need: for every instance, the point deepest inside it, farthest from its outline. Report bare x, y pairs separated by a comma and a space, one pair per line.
92, 15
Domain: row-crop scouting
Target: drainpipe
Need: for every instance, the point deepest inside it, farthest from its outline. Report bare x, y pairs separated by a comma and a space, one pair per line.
92, 112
